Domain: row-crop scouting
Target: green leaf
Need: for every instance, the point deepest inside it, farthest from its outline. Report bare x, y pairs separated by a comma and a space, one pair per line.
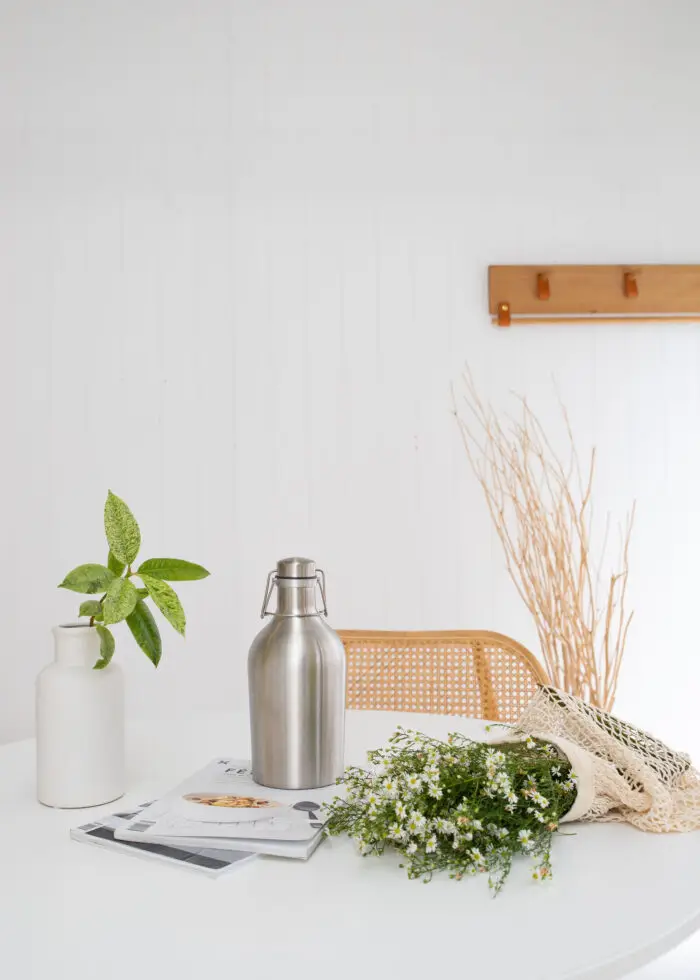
173, 569
167, 601
106, 647
120, 600
91, 607
143, 593
121, 529
88, 579
114, 564
145, 631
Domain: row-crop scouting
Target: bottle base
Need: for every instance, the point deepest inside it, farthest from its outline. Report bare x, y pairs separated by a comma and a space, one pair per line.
294, 787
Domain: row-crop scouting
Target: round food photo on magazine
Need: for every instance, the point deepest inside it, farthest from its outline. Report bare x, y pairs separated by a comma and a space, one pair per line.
229, 807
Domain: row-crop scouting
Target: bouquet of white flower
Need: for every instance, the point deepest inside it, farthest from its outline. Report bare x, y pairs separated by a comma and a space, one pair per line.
460, 806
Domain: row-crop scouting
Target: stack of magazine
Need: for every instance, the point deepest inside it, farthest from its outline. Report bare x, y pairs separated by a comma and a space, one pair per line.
217, 819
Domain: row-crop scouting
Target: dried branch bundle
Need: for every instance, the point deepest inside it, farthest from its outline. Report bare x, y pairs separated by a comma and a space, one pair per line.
541, 509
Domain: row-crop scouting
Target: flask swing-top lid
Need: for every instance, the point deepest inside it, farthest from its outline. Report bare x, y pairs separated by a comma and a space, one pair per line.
295, 569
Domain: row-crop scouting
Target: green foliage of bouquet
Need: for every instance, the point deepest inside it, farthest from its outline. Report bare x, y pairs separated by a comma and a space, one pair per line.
121, 599
460, 806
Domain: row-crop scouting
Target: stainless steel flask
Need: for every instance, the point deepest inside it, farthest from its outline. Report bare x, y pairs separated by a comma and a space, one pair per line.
296, 682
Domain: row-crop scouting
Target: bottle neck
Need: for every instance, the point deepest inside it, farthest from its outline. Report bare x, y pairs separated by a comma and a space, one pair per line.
76, 646
295, 599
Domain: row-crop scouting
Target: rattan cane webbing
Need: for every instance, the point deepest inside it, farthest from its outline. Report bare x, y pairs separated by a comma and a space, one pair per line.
474, 673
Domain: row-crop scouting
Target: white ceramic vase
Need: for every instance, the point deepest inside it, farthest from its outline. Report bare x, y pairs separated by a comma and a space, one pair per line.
79, 724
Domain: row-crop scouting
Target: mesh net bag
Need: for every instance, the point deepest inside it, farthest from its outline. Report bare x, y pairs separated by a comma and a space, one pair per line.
623, 773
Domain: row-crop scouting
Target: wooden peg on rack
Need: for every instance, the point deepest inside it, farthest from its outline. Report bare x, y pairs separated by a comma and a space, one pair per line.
630, 284
542, 285
503, 315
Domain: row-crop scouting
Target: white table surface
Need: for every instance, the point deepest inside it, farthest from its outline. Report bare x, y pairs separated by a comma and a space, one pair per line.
618, 898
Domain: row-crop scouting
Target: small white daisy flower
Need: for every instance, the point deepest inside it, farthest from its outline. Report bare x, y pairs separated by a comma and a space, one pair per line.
525, 838
431, 845
416, 823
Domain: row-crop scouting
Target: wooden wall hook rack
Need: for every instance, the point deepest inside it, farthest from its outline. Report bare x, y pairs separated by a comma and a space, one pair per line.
580, 293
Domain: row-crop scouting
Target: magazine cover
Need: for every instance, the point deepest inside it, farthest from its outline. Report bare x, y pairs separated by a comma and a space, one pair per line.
209, 860
223, 805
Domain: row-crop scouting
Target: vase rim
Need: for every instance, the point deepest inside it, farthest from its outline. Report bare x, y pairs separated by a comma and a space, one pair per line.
74, 627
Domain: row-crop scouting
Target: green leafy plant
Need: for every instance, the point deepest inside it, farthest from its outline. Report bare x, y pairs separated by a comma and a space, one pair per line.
121, 599
459, 806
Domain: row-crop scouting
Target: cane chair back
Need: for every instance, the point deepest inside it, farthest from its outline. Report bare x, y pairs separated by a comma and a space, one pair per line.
474, 673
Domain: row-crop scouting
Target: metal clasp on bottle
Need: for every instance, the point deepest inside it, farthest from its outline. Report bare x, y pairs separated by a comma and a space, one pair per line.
320, 578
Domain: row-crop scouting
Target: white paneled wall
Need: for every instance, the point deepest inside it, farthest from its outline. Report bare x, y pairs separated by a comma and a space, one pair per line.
243, 252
